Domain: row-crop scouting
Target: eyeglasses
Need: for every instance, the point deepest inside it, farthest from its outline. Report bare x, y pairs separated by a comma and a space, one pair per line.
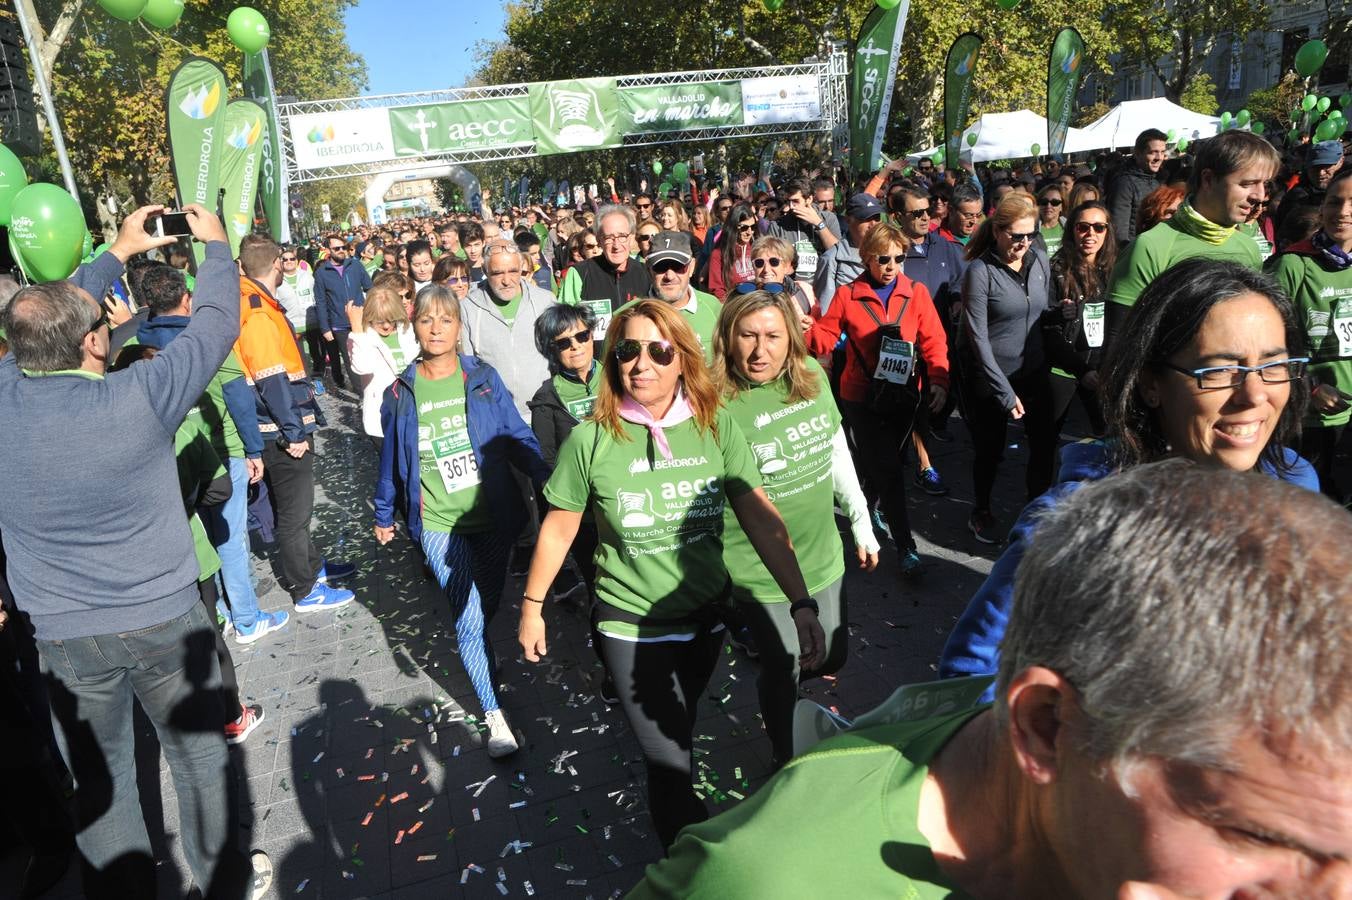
1086, 227
579, 338
724, 207
615, 238
645, 238
1214, 378
918, 213
968, 217
488, 274
288, 259
337, 249
667, 265
747, 226
101, 320
662, 353
1048, 201
457, 279
888, 260
772, 287
771, 261
1016, 238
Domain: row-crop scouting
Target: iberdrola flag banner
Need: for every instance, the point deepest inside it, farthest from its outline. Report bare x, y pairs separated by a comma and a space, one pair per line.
195, 117
246, 134
271, 184
958, 72
875, 74
1063, 84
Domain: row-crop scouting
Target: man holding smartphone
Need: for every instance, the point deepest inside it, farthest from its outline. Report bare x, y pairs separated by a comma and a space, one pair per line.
338, 282
810, 230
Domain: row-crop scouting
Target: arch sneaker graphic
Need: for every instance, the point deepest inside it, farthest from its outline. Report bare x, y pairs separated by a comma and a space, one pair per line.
769, 457
636, 506
582, 114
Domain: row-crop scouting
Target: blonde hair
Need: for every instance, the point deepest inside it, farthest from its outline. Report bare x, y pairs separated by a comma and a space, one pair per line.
882, 236
682, 217
383, 304
1015, 207
797, 376
775, 245
698, 386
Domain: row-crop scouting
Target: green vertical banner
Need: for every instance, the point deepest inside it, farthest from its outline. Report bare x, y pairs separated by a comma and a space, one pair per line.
272, 180
1063, 84
958, 72
871, 85
245, 136
194, 104
568, 116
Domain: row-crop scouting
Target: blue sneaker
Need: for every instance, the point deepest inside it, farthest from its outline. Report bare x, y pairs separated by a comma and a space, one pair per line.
928, 480
880, 526
319, 387
333, 570
912, 566
265, 623
323, 597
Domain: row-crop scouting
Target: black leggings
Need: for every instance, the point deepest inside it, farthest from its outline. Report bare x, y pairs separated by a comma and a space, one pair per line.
206, 589
659, 686
1320, 445
1062, 391
881, 448
987, 419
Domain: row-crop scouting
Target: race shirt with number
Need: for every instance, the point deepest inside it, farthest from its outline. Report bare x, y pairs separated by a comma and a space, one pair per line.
1092, 320
578, 398
806, 269
447, 466
896, 360
601, 311
791, 443
1323, 299
1052, 236
391, 341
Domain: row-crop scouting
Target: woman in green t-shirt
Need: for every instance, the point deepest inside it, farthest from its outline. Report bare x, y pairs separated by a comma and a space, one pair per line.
780, 398
654, 466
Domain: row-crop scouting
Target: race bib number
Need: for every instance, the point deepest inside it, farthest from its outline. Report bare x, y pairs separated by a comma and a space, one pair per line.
601, 310
1092, 319
456, 463
807, 260
896, 360
1342, 326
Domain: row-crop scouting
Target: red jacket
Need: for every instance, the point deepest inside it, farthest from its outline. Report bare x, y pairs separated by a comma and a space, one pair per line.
920, 325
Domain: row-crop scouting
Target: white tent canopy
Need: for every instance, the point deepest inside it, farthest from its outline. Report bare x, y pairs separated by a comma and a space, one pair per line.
1120, 125
1008, 135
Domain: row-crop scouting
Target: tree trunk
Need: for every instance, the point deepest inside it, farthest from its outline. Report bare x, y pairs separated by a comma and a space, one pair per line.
107, 221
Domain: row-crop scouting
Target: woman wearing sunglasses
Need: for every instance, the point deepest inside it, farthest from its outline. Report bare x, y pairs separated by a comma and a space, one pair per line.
780, 397
452, 437
381, 344
891, 328
1005, 290
1210, 367
453, 272
1050, 205
1073, 328
772, 263
656, 466
730, 261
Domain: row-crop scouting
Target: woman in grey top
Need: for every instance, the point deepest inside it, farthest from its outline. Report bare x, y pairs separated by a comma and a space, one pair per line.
1005, 290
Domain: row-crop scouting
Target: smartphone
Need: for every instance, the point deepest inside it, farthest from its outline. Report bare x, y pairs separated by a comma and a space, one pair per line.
169, 224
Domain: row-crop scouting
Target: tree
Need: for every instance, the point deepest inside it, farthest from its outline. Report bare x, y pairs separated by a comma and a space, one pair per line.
1174, 39
1274, 104
1200, 95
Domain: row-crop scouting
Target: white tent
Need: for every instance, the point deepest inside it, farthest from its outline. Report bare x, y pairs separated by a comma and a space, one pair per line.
1121, 124
1008, 135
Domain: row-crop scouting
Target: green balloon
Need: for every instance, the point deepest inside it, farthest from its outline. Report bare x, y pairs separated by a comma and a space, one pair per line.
248, 29
87, 248
664, 188
773, 5
18, 258
1345, 100
49, 229
680, 172
1310, 57
1308, 102
938, 157
162, 13
657, 167
1182, 145
1258, 128
13, 179
344, 226
1172, 136
1037, 149
126, 10
1292, 136
1323, 104
1243, 117
1225, 120
971, 139
887, 4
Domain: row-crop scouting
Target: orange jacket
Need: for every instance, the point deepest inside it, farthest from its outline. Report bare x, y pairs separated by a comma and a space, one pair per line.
268, 353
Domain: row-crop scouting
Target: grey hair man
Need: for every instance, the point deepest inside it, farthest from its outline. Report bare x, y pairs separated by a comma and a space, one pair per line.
1172, 708
607, 282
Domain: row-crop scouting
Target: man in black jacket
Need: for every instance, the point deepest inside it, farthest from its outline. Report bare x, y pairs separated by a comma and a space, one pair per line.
1135, 180
1322, 163
605, 283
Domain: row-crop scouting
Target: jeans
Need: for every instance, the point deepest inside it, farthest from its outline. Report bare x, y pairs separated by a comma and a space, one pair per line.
171, 668
291, 482
339, 361
471, 569
228, 525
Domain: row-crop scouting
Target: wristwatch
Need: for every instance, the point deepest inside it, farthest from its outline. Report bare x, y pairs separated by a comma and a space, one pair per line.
820, 225
805, 603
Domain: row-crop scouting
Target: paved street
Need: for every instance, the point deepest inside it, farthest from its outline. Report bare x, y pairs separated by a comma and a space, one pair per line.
369, 777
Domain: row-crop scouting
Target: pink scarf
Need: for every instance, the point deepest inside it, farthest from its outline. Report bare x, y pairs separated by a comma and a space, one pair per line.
633, 411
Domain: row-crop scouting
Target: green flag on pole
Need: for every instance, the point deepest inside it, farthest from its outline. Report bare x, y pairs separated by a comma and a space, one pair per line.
875, 73
194, 106
1064, 67
958, 72
245, 136
272, 180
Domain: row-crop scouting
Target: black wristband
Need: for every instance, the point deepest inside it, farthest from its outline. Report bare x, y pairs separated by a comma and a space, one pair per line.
805, 603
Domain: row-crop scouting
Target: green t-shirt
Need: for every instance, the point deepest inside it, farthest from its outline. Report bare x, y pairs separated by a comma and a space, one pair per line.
577, 397
197, 463
704, 320
1166, 245
1318, 295
211, 406
660, 521
507, 309
392, 341
1260, 240
839, 821
448, 468
1052, 237
791, 443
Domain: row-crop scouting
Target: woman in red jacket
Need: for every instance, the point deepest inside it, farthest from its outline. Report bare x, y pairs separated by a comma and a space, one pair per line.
891, 328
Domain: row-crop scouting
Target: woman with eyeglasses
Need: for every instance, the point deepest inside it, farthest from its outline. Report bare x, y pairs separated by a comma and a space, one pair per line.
581, 247
891, 328
1073, 328
381, 345
453, 272
1005, 289
452, 437
780, 397
656, 465
1049, 221
1316, 274
1210, 367
730, 262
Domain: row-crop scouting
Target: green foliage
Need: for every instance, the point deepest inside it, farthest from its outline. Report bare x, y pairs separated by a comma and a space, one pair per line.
1274, 104
1200, 95
1092, 113
1173, 40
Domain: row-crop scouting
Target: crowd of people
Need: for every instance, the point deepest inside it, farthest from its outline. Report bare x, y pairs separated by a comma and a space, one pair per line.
670, 412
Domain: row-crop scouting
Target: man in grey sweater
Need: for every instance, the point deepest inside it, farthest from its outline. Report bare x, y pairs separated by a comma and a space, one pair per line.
101, 558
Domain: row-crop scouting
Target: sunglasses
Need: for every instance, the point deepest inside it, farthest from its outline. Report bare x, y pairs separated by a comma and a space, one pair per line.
101, 320
643, 205
337, 249
662, 353
918, 213
888, 260
288, 259
772, 261
1048, 201
724, 209
747, 226
579, 338
747, 287
590, 245
667, 265
457, 279
1086, 227
1015, 238
644, 238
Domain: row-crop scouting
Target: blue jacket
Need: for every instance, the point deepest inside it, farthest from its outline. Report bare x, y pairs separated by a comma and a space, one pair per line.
937, 263
498, 434
974, 646
333, 290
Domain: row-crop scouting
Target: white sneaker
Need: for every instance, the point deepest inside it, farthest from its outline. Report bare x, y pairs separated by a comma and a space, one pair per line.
262, 874
501, 741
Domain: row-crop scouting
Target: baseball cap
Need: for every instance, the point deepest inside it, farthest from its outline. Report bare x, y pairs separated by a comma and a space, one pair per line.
863, 207
1325, 153
668, 245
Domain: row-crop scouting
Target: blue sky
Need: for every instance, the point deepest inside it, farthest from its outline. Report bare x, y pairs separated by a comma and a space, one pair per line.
420, 45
